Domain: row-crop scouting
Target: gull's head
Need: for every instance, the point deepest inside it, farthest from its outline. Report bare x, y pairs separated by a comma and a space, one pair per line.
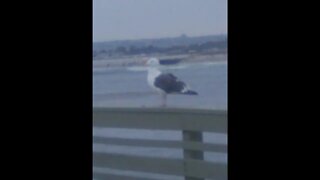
152, 62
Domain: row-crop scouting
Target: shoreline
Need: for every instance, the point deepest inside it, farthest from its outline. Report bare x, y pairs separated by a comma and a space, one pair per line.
138, 61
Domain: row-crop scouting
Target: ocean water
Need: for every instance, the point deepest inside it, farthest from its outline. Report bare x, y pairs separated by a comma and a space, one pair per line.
127, 87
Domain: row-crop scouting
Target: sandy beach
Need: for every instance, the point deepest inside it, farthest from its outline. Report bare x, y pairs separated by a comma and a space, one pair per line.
139, 60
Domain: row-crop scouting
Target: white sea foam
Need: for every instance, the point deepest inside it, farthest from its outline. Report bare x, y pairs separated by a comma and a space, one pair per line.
214, 63
106, 69
142, 68
162, 67
137, 68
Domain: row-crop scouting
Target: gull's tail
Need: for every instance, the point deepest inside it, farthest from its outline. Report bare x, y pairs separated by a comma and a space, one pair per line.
190, 92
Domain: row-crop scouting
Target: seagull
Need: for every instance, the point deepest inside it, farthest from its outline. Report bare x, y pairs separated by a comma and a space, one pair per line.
165, 83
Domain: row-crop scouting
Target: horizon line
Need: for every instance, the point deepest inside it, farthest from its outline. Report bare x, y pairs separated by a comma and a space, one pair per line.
159, 37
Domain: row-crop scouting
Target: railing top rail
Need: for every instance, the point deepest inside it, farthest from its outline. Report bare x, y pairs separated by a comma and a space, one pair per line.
162, 119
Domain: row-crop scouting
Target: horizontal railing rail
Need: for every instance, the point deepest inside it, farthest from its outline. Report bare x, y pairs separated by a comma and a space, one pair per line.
192, 124
162, 119
200, 146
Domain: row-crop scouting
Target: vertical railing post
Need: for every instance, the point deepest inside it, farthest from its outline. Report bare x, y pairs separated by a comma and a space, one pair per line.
192, 154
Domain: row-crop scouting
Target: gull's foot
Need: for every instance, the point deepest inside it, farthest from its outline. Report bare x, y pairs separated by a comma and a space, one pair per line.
163, 105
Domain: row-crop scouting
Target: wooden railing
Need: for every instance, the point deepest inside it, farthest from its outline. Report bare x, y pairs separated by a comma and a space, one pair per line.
192, 124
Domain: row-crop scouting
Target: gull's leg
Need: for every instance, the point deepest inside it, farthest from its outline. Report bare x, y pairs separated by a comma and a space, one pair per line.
163, 99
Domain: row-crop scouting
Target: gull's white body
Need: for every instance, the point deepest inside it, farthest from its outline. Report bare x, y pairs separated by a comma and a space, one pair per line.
152, 74
155, 78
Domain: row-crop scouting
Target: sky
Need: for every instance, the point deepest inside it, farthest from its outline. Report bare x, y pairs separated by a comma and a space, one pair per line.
143, 19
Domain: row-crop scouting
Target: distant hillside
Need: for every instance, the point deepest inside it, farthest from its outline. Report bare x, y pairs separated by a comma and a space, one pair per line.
182, 40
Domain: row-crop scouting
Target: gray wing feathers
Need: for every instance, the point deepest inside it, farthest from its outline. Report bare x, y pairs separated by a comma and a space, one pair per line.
169, 83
